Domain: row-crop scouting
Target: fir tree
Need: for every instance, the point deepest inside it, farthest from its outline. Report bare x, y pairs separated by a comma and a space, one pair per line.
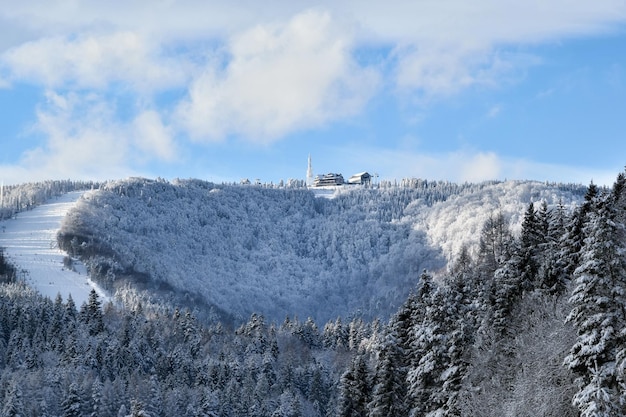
532, 236
389, 393
96, 398
598, 301
91, 314
574, 237
354, 389
71, 405
13, 403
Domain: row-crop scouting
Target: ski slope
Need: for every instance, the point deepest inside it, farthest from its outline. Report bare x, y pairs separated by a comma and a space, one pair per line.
30, 244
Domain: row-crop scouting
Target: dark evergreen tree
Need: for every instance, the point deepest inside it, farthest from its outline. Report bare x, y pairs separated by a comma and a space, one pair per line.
137, 409
389, 392
91, 314
574, 237
13, 405
97, 409
552, 274
434, 379
354, 389
71, 405
598, 314
507, 291
531, 240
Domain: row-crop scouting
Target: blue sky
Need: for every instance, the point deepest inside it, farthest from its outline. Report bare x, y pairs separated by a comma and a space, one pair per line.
229, 90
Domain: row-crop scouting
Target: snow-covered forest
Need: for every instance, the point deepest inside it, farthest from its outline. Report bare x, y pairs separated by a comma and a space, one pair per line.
282, 251
16, 198
422, 299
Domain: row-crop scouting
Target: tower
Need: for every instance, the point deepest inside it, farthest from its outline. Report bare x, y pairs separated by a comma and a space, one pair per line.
309, 173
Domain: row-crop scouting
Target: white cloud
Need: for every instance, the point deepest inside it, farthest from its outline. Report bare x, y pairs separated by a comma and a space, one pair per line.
93, 61
441, 70
82, 139
477, 167
465, 165
279, 79
262, 70
153, 138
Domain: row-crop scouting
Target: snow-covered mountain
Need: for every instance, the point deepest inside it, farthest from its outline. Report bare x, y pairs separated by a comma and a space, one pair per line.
280, 252
29, 242
515, 317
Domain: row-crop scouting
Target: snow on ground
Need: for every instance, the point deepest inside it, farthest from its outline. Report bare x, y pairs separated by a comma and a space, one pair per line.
30, 243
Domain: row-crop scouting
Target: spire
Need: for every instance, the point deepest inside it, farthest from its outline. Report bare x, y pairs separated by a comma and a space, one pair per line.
309, 173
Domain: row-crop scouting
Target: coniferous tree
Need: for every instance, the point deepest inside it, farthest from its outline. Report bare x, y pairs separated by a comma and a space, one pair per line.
552, 275
96, 398
530, 240
574, 237
13, 402
91, 313
71, 405
137, 409
354, 389
439, 345
507, 290
389, 392
598, 301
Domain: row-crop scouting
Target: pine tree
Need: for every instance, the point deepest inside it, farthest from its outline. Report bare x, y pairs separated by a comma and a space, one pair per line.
596, 399
429, 354
137, 409
552, 275
574, 237
598, 301
530, 240
71, 405
354, 389
388, 397
70, 308
507, 291
155, 407
96, 398
13, 403
91, 314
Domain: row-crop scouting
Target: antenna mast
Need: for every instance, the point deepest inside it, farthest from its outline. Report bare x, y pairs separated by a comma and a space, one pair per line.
309, 173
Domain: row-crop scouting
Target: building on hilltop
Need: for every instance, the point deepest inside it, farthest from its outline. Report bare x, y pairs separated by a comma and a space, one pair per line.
362, 178
328, 179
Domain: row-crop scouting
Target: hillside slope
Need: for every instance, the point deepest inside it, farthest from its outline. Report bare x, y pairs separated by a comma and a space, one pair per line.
282, 252
29, 241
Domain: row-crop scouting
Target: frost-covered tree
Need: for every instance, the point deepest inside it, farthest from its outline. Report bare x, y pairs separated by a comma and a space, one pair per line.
72, 406
13, 402
96, 398
91, 313
137, 409
531, 240
354, 389
574, 238
389, 392
439, 350
495, 243
598, 313
552, 274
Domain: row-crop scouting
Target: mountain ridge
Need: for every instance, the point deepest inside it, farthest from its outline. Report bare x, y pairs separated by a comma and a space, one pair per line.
282, 252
